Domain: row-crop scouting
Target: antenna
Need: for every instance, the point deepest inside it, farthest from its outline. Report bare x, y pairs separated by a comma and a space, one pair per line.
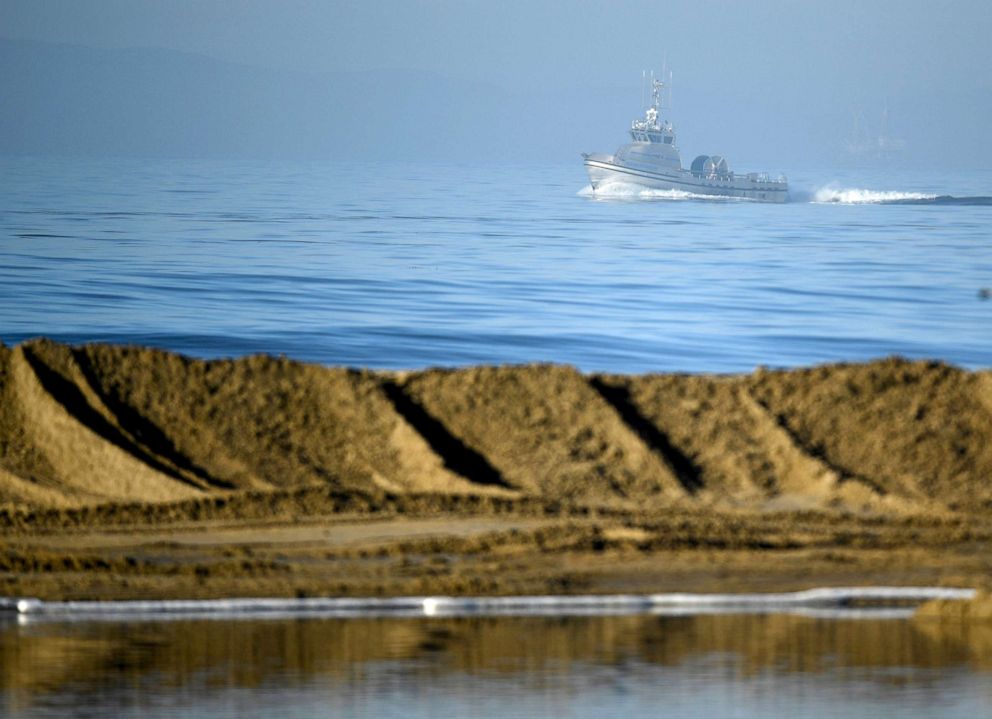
670, 91
643, 77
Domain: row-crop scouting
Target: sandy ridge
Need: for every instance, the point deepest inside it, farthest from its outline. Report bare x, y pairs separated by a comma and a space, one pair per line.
99, 423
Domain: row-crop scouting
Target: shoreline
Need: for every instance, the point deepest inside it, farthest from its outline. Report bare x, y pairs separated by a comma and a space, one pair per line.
427, 548
839, 601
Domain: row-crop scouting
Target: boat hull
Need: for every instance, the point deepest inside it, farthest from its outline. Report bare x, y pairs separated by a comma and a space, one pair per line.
603, 171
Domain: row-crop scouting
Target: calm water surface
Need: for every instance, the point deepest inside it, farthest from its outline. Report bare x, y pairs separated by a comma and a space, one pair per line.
632, 666
391, 265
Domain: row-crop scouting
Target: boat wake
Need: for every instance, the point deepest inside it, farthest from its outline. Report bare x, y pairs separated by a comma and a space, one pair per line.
630, 191
827, 195
832, 194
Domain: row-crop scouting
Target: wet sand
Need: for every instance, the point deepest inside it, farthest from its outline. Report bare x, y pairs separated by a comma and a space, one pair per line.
134, 473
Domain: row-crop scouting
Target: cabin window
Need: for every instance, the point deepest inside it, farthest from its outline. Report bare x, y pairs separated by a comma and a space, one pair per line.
668, 140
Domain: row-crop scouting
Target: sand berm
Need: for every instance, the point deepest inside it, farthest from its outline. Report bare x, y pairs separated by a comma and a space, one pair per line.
131, 472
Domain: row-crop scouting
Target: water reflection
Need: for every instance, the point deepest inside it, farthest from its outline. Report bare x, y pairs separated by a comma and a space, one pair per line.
157, 668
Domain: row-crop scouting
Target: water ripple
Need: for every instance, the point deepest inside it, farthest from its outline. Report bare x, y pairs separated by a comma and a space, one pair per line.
495, 265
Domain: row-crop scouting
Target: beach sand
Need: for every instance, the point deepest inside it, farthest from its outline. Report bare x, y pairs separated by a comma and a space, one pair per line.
128, 472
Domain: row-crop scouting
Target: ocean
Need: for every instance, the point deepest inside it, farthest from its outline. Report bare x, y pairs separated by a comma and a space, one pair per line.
394, 265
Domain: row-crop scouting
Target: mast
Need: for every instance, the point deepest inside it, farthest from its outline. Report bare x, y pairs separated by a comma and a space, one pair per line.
652, 121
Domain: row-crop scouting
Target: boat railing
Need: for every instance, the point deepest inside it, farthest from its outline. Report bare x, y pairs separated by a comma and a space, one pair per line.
764, 177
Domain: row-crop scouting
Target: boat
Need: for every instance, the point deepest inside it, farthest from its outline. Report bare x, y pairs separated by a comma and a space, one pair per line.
865, 147
652, 160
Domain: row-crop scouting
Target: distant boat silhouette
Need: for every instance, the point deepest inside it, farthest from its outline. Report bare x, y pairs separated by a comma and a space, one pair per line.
863, 145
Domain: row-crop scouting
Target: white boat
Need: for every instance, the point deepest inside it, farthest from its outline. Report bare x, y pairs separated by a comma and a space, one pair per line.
652, 160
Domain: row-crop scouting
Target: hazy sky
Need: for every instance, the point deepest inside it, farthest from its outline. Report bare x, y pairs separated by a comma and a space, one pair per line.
528, 41
804, 68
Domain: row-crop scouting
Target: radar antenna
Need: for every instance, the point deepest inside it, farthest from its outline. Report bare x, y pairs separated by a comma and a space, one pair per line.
653, 120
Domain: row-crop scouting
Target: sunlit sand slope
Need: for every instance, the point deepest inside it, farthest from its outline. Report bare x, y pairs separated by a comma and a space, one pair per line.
98, 424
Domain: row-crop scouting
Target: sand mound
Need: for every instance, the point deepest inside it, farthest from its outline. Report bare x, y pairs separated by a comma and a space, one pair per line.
91, 424
543, 430
728, 445
914, 430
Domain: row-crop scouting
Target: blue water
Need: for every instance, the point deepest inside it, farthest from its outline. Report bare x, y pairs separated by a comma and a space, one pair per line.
402, 265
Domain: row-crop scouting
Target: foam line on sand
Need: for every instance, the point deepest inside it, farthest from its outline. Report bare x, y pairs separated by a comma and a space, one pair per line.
827, 601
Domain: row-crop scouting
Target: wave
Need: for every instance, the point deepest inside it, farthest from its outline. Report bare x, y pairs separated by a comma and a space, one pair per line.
860, 196
631, 191
829, 194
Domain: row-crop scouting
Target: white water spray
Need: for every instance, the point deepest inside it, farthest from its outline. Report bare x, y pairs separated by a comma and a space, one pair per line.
630, 191
826, 194
858, 196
